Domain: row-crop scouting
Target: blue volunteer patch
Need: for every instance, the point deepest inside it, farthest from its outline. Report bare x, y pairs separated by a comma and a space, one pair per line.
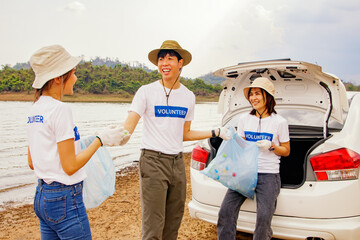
76, 133
36, 119
170, 111
255, 136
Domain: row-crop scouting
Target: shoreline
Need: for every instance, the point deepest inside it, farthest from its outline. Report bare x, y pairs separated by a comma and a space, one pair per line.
78, 97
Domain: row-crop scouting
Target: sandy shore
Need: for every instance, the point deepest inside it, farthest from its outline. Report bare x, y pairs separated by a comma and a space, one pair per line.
119, 217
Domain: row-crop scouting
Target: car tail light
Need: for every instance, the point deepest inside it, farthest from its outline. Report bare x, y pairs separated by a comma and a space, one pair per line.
199, 157
339, 164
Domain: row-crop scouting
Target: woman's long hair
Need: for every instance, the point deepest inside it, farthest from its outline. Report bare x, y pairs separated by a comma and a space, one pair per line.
269, 102
47, 85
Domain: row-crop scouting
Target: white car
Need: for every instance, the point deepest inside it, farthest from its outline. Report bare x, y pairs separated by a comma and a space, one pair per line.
320, 193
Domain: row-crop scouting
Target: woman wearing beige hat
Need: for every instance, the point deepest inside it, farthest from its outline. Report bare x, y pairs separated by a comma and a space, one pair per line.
167, 109
54, 147
271, 132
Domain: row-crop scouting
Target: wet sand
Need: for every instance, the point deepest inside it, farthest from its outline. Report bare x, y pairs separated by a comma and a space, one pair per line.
119, 217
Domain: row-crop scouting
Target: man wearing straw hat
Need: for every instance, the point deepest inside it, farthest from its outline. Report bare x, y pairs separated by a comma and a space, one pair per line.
167, 109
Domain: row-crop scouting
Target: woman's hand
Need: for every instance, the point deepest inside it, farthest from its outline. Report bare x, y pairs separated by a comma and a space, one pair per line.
264, 145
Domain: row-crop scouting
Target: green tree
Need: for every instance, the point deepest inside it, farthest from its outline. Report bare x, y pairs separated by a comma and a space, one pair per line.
101, 76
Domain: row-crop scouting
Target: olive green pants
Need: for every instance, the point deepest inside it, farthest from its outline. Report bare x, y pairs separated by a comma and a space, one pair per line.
162, 194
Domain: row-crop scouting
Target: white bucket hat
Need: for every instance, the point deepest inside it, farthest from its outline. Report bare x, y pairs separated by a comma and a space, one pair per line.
50, 62
263, 83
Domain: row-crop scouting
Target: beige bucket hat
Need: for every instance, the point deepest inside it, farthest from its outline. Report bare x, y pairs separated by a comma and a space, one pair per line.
263, 83
170, 45
50, 62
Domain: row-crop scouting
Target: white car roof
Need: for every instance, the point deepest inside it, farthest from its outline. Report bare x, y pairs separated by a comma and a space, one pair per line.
297, 84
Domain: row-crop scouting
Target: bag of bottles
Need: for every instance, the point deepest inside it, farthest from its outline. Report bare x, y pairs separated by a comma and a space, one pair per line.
235, 165
100, 170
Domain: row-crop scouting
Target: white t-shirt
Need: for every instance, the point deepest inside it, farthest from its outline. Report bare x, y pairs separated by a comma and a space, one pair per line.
50, 121
163, 126
273, 128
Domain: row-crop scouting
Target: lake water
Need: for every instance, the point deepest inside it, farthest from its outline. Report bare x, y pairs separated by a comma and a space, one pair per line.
18, 182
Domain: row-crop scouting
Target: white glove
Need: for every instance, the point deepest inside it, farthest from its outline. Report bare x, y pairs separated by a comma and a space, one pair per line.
224, 133
114, 136
264, 145
125, 138
126, 135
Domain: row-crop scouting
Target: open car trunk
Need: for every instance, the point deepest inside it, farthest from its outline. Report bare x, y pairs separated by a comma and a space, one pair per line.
293, 167
312, 102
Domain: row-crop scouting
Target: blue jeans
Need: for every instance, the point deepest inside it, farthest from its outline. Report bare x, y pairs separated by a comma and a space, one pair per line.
267, 190
61, 211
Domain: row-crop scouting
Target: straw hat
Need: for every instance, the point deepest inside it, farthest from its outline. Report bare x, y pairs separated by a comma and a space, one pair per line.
170, 45
263, 83
50, 62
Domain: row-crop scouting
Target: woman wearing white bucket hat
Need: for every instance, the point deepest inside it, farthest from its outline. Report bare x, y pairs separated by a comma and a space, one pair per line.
271, 132
54, 147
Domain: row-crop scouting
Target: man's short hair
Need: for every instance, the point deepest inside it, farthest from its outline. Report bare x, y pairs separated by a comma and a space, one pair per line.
162, 53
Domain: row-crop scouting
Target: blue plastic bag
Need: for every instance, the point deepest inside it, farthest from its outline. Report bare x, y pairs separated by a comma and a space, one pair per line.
100, 170
235, 165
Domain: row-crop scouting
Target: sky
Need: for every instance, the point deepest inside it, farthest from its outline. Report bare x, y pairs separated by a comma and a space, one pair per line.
218, 33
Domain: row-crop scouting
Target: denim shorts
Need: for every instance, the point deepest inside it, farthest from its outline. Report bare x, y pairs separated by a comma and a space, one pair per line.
61, 211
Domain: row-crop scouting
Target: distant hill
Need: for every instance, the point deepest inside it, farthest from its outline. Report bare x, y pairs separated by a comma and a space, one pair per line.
111, 63
108, 62
211, 79
19, 66
102, 76
351, 86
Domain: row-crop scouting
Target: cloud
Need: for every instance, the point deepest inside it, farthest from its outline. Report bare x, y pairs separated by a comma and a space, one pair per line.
76, 6
216, 34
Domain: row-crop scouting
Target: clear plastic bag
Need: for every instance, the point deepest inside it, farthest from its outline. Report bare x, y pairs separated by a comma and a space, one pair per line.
235, 165
100, 170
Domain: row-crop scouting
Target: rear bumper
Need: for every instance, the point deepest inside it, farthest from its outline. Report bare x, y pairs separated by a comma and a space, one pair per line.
286, 227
